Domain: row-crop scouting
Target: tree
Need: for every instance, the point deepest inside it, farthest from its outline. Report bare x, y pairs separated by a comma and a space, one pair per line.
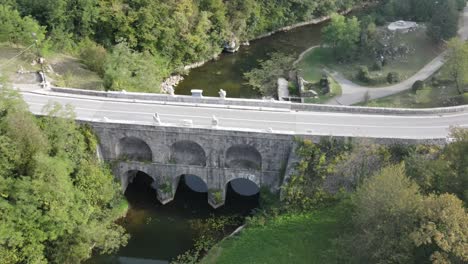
456, 66
443, 230
264, 79
358, 164
305, 189
386, 207
58, 204
129, 70
342, 34
456, 157
93, 55
19, 30
444, 21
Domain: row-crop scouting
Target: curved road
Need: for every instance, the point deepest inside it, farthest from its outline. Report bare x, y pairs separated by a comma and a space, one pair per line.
354, 93
92, 108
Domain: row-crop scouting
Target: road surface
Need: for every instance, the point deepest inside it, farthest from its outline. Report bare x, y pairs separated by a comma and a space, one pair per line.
255, 119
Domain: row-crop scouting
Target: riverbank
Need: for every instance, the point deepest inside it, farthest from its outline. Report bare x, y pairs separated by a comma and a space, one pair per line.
291, 238
316, 21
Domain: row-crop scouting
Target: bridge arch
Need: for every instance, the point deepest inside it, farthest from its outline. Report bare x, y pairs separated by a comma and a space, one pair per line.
139, 177
243, 157
243, 186
193, 182
187, 152
133, 148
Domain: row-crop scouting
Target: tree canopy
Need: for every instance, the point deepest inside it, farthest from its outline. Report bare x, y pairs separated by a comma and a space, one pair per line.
168, 34
58, 203
342, 34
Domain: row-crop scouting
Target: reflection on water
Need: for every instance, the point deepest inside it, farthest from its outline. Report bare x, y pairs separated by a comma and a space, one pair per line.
159, 232
227, 72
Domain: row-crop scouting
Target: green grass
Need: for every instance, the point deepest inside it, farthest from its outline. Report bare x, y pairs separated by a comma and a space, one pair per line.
287, 239
311, 66
67, 71
430, 96
9, 65
335, 90
423, 51
70, 72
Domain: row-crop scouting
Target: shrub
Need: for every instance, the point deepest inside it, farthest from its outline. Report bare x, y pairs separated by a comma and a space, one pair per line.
380, 20
93, 55
417, 85
378, 65
393, 77
363, 74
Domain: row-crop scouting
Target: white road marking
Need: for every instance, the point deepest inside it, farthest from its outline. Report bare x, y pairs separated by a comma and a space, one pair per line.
258, 120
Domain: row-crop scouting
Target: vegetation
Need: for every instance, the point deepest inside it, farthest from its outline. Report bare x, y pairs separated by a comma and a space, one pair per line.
393, 222
209, 231
446, 88
368, 54
58, 204
442, 15
414, 50
335, 90
264, 79
456, 66
166, 34
365, 203
289, 238
342, 35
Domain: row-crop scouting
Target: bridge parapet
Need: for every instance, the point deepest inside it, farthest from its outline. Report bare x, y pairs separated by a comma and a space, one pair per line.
256, 103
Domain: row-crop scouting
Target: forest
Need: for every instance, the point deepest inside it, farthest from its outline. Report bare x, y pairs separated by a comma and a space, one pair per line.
116, 37
58, 203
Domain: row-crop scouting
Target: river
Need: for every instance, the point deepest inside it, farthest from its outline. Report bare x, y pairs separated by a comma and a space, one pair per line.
159, 233
226, 72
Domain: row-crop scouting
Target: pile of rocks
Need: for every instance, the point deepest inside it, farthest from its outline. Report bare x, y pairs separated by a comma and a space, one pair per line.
168, 85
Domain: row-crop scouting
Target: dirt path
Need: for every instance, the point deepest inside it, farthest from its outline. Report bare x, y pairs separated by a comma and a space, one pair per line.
355, 93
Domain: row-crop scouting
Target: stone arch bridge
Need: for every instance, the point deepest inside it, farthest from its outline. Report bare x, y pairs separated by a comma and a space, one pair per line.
215, 156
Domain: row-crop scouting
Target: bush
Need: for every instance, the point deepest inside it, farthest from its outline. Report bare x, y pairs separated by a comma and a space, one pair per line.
93, 55
393, 77
378, 65
380, 20
417, 85
363, 74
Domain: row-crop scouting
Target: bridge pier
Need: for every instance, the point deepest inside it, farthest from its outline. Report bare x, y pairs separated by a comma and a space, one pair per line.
216, 197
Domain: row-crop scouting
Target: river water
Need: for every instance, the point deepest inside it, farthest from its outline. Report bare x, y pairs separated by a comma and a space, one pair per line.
159, 233
227, 71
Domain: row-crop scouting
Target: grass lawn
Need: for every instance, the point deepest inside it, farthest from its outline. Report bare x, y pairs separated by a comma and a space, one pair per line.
67, 71
428, 97
10, 64
335, 90
287, 239
70, 72
423, 50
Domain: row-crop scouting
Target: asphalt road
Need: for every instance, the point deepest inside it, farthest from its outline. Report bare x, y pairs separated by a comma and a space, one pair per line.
280, 121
